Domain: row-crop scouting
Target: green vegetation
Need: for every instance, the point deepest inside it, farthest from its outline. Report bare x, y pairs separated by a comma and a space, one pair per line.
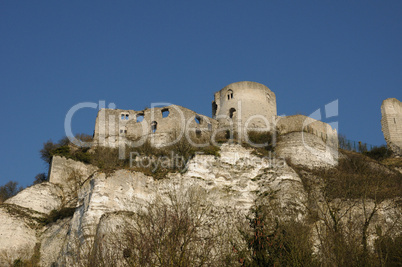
66, 149
378, 153
262, 142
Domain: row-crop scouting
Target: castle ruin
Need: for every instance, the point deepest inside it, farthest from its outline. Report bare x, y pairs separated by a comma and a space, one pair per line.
237, 108
391, 122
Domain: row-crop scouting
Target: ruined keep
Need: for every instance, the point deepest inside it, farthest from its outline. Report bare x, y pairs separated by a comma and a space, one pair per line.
391, 122
245, 106
238, 108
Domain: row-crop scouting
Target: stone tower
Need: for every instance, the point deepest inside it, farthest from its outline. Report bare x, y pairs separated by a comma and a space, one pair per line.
244, 106
391, 110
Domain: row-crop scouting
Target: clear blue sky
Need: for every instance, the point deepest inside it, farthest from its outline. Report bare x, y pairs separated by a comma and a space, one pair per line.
55, 54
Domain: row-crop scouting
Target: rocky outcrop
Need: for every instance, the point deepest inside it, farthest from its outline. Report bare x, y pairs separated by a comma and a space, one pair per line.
233, 182
18, 233
43, 198
104, 204
52, 239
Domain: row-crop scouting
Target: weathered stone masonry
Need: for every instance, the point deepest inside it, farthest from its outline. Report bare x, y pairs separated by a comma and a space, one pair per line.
391, 110
239, 107
159, 125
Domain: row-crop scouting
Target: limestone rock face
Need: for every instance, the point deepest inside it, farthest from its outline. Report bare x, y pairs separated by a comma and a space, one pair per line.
232, 182
123, 190
43, 198
307, 150
52, 240
17, 234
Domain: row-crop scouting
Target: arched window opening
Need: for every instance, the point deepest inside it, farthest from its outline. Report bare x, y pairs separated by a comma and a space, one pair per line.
165, 112
232, 113
140, 117
126, 116
230, 94
154, 125
198, 133
198, 119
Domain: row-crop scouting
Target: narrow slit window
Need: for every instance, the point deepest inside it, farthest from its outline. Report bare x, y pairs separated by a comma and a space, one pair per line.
198, 119
198, 132
209, 127
395, 120
214, 108
154, 125
165, 113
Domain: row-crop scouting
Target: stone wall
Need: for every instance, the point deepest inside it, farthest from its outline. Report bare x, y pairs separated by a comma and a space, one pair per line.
307, 150
301, 123
391, 122
69, 175
115, 127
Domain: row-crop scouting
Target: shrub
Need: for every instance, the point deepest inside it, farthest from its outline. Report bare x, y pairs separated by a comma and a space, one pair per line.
8, 190
258, 138
357, 176
271, 242
40, 178
166, 232
389, 250
59, 214
46, 153
378, 153
210, 150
